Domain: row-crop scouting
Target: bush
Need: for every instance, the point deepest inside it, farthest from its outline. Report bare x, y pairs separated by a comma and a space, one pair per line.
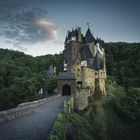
128, 106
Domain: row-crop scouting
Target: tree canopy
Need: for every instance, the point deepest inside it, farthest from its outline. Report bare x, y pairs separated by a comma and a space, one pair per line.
123, 63
21, 75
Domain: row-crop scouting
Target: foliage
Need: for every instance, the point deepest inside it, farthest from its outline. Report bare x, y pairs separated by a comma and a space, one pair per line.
71, 126
101, 120
122, 62
51, 85
21, 76
110, 123
82, 127
128, 106
59, 128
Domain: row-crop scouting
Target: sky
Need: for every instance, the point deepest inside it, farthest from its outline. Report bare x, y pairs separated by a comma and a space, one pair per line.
39, 27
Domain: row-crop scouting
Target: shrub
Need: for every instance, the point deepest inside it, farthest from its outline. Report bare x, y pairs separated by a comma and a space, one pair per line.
128, 106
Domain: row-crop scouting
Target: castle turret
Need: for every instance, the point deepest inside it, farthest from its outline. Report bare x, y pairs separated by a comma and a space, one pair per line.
79, 35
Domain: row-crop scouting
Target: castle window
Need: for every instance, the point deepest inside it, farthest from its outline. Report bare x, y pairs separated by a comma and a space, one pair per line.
74, 70
79, 84
78, 69
101, 73
77, 74
95, 73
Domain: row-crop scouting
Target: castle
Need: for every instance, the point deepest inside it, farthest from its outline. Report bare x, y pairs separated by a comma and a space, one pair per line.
84, 67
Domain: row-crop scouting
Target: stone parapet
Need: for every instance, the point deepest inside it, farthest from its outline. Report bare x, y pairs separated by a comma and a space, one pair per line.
23, 109
81, 99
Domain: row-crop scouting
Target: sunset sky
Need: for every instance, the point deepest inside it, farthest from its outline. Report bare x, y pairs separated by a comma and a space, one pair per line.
39, 27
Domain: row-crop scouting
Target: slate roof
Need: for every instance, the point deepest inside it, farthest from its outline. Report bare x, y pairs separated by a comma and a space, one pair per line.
85, 52
66, 76
89, 37
97, 63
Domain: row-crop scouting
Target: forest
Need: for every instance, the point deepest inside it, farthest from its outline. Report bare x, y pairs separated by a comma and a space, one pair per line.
21, 75
123, 63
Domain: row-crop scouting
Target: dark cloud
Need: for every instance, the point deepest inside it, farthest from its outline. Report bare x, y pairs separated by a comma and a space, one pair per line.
18, 23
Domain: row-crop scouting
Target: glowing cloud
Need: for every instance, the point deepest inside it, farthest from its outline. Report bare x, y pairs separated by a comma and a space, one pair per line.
50, 27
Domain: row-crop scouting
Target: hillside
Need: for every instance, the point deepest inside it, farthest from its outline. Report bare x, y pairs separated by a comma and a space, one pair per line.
21, 76
122, 63
107, 118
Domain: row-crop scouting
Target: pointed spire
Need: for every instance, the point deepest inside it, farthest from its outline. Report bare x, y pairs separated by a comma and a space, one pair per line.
89, 37
88, 33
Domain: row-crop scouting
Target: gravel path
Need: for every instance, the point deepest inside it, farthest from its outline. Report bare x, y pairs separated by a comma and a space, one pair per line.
34, 126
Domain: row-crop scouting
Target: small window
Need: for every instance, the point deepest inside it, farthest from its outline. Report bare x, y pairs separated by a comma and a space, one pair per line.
95, 73
78, 69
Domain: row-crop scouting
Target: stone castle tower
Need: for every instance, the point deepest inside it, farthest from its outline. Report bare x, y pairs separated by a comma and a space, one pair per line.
84, 65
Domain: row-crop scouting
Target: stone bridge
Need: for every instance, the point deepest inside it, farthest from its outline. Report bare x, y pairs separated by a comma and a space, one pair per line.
33, 126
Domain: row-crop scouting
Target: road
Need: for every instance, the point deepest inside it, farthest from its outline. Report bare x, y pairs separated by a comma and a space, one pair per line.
34, 126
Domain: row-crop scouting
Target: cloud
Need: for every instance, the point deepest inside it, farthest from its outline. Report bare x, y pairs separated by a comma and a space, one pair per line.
22, 25
50, 27
15, 45
43, 48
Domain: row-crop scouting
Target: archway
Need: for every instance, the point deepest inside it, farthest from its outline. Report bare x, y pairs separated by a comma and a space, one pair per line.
66, 90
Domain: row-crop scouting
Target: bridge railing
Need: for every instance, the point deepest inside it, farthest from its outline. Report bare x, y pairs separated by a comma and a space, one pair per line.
23, 109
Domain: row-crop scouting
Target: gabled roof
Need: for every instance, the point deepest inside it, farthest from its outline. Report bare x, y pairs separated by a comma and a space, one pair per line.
66, 76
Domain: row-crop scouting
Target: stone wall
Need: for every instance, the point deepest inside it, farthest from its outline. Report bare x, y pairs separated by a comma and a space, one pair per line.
80, 99
23, 109
88, 76
101, 78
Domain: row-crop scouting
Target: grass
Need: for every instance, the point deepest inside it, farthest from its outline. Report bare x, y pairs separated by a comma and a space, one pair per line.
108, 124
59, 128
